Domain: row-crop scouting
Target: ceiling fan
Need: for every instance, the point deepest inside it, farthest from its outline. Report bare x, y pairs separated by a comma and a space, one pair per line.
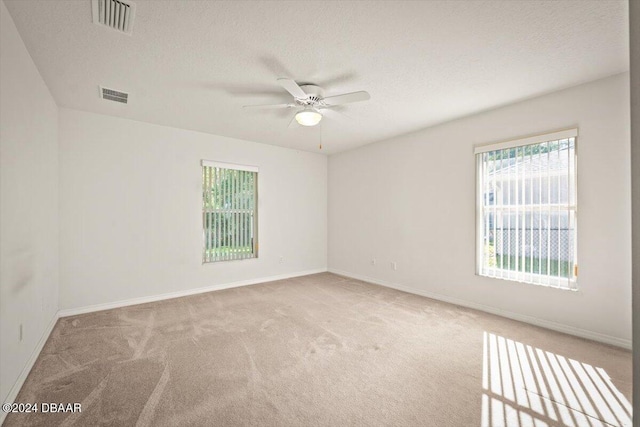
311, 103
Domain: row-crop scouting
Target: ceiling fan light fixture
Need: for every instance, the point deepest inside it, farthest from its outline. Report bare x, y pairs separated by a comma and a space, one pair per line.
308, 117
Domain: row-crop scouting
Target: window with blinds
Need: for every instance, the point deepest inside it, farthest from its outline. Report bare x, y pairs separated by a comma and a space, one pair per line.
526, 210
229, 211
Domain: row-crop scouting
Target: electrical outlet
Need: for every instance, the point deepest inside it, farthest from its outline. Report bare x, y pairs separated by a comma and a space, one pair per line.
373, 261
281, 259
394, 265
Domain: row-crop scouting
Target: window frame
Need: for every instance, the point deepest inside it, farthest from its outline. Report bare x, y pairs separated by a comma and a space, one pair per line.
556, 282
238, 167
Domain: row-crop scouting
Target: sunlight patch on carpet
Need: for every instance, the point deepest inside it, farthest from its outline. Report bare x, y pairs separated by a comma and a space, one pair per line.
527, 386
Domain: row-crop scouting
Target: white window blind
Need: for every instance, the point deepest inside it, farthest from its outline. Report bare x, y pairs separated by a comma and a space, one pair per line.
526, 210
229, 211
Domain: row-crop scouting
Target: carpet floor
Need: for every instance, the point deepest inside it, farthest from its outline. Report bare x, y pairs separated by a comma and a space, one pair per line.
321, 350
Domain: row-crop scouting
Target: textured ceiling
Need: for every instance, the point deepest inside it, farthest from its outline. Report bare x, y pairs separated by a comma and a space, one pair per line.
193, 64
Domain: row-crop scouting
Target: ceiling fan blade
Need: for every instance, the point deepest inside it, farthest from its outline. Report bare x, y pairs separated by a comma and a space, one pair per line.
347, 98
292, 122
293, 88
269, 106
334, 115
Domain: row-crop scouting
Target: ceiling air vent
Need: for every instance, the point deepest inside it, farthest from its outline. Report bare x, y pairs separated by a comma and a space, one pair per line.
113, 95
115, 14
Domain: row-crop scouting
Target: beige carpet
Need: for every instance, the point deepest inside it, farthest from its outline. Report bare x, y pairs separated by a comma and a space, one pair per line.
321, 350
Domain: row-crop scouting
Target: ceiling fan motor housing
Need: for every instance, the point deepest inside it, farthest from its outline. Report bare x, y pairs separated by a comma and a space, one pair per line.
315, 94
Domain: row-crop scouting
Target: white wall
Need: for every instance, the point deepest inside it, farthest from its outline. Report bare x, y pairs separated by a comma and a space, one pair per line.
28, 205
411, 199
634, 43
131, 221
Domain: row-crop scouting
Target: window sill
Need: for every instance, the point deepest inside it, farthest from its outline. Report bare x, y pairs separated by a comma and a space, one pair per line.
532, 279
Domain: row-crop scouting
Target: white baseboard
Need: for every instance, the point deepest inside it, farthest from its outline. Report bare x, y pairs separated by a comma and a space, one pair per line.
582, 333
13, 393
177, 294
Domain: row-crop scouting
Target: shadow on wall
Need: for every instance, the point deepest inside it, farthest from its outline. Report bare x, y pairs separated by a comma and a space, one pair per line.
527, 386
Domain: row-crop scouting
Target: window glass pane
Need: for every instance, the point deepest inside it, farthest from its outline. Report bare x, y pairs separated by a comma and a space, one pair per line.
229, 214
527, 221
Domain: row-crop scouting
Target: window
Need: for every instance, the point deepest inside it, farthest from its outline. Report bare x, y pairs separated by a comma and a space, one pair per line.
526, 210
229, 211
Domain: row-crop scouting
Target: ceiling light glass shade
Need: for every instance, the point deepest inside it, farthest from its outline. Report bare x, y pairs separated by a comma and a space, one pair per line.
308, 117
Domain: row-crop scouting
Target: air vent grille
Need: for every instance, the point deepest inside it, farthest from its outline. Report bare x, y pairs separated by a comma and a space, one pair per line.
115, 14
114, 95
